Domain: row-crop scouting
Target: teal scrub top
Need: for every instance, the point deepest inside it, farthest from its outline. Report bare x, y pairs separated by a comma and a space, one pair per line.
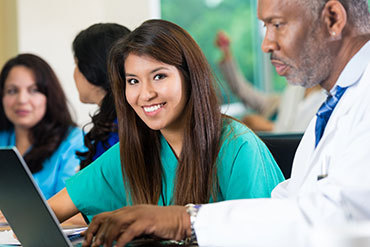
61, 165
245, 168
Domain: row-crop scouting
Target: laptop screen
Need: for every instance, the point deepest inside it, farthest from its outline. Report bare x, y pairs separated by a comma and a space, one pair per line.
24, 206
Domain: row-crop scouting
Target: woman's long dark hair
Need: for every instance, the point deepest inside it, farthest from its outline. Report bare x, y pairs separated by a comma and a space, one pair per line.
47, 134
196, 176
91, 47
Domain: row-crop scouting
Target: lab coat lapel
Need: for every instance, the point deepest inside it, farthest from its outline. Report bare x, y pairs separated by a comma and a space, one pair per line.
348, 100
308, 157
340, 111
333, 128
302, 159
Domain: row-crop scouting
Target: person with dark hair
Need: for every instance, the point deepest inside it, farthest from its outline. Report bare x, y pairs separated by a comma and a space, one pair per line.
34, 117
90, 48
175, 146
324, 42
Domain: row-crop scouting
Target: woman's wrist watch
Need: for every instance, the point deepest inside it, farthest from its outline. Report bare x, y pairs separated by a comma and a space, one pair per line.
192, 210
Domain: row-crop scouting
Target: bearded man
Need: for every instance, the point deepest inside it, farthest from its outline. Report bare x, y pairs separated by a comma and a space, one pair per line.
311, 42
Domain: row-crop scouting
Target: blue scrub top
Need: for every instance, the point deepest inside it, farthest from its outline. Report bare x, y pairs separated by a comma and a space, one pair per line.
245, 168
112, 139
61, 165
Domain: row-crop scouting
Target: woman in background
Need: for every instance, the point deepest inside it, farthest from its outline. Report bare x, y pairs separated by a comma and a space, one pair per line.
175, 146
35, 118
90, 48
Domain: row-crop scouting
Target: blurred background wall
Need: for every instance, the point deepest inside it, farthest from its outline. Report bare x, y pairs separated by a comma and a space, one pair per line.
8, 30
48, 27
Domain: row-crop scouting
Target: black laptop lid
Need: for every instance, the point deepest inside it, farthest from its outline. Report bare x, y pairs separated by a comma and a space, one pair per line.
24, 206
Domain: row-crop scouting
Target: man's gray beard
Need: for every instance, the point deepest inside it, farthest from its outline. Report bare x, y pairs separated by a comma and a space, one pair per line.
316, 63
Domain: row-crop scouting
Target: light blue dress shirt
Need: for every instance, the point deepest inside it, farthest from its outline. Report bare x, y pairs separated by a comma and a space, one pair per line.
61, 165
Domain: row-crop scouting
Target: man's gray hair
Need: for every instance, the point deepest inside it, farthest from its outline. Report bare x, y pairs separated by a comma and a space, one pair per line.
357, 12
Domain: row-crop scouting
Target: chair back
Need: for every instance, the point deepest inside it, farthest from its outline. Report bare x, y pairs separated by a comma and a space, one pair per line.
283, 148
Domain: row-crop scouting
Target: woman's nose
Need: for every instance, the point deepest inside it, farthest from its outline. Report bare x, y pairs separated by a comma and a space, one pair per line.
23, 97
147, 92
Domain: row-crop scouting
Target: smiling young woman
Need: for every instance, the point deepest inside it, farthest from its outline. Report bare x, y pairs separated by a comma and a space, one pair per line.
158, 94
175, 145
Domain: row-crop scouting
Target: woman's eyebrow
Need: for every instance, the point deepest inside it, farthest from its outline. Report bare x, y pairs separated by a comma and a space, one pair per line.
157, 69
151, 72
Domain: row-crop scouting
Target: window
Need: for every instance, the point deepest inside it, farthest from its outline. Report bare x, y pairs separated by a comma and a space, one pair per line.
204, 18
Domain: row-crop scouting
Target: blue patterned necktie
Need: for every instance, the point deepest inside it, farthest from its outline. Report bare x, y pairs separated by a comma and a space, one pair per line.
325, 111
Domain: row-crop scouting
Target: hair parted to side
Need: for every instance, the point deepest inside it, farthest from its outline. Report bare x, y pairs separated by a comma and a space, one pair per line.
91, 47
196, 176
357, 12
46, 135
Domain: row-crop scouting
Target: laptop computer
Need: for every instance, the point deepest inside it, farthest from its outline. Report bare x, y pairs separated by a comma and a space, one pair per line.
29, 215
25, 207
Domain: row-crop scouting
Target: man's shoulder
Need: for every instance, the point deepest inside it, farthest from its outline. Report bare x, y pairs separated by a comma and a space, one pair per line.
363, 85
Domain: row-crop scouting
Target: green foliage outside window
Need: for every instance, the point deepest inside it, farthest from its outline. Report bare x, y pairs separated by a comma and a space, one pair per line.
204, 18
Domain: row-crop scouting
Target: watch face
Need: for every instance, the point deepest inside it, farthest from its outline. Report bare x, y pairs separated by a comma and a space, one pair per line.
192, 209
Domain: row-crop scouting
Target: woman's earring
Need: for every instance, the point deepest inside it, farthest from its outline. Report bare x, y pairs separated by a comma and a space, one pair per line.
333, 33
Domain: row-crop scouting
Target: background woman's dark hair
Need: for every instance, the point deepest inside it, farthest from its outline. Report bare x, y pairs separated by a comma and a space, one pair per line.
91, 47
46, 135
196, 175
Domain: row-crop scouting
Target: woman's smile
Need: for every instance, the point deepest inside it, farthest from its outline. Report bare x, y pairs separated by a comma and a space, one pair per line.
153, 109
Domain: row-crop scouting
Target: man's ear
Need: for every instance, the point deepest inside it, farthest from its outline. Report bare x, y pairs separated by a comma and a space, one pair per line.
335, 17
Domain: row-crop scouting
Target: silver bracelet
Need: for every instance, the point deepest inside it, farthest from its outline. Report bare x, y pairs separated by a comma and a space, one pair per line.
192, 210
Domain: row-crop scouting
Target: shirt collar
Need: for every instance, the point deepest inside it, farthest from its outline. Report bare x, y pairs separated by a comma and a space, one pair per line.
354, 68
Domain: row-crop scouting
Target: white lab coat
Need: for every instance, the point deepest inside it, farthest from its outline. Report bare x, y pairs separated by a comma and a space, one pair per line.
303, 202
